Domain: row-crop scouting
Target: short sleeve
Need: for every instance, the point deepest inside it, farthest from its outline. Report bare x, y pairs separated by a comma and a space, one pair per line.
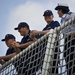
57, 24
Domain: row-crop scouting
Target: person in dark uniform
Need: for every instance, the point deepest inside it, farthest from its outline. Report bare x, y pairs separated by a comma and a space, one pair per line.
11, 51
9, 40
24, 30
69, 41
51, 24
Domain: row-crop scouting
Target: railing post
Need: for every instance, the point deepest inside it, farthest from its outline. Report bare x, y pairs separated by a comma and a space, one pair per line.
48, 53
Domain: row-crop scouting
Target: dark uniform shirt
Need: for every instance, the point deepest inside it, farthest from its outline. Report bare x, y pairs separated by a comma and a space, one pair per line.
25, 39
10, 51
52, 25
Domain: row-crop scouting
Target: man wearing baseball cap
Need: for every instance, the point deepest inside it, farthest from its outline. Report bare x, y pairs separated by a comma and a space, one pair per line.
24, 30
11, 51
51, 24
9, 40
65, 15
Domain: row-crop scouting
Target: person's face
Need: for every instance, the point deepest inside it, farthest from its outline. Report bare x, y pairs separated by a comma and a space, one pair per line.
48, 19
22, 31
9, 42
59, 11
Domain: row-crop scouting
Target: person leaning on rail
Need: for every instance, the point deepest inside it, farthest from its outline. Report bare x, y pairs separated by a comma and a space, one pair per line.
65, 15
9, 41
24, 30
51, 24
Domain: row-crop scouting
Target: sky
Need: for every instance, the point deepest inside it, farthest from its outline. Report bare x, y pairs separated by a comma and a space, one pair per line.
12, 12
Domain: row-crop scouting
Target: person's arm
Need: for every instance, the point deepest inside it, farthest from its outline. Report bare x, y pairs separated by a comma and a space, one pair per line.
25, 44
7, 57
35, 32
43, 32
17, 45
32, 36
17, 50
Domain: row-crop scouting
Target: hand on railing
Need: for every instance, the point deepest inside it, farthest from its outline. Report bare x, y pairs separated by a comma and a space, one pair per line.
1, 61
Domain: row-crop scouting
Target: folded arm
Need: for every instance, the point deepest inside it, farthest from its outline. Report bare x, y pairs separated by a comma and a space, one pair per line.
7, 57
35, 32
17, 46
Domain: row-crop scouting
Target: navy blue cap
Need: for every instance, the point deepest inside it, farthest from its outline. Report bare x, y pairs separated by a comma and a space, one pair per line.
48, 13
22, 24
62, 7
8, 36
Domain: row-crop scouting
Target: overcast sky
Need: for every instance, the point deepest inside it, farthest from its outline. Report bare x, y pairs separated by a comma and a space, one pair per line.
31, 11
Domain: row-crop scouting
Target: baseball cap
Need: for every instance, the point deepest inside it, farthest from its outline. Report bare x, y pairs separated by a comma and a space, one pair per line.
48, 13
22, 24
8, 36
62, 7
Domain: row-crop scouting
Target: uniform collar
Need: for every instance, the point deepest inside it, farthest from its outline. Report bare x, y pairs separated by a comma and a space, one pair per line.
64, 16
50, 22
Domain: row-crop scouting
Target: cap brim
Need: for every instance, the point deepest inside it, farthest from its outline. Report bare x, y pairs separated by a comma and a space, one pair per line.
16, 28
3, 40
47, 15
57, 7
